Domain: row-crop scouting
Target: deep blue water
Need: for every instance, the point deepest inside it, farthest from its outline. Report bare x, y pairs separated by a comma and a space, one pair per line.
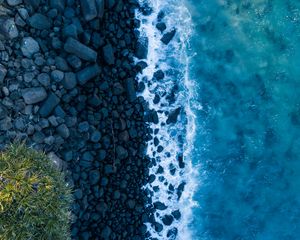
247, 148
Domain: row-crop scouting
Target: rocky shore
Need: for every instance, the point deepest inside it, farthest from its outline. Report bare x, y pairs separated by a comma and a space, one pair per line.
67, 87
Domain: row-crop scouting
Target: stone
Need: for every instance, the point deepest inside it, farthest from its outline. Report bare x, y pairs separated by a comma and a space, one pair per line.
108, 54
40, 21
29, 47
167, 37
102, 155
3, 73
5, 124
121, 152
44, 79
70, 81
74, 61
130, 89
159, 75
88, 8
3, 112
100, 7
83, 127
78, 194
58, 162
34, 95
14, 2
172, 118
94, 177
8, 28
141, 50
33, 3
161, 26
96, 136
63, 131
160, 206
57, 75
176, 214
167, 220
58, 4
80, 50
88, 73
48, 106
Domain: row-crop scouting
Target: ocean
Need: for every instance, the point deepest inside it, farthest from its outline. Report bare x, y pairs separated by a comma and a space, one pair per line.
228, 168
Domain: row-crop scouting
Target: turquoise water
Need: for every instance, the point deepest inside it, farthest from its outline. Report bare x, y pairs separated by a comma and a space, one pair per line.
247, 73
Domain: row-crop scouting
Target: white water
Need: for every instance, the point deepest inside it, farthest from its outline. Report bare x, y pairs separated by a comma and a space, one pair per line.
173, 60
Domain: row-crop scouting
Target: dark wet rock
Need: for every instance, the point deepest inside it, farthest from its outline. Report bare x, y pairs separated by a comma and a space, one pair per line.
8, 28
74, 61
96, 136
3, 111
14, 2
106, 232
83, 127
63, 131
3, 73
40, 21
158, 227
159, 75
160, 206
88, 8
33, 3
141, 50
180, 161
122, 153
58, 4
167, 37
29, 47
57, 75
88, 73
167, 220
108, 54
161, 26
5, 124
49, 105
69, 81
78, 194
100, 7
80, 50
130, 89
172, 233
94, 177
176, 214
44, 79
172, 118
34, 95
180, 189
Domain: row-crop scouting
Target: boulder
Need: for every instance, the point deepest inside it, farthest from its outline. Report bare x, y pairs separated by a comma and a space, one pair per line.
48, 106
80, 50
8, 28
88, 73
108, 54
167, 37
89, 9
29, 47
40, 21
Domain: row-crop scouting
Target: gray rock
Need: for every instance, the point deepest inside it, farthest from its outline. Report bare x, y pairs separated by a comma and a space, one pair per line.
8, 28
34, 95
14, 2
5, 124
80, 50
70, 80
63, 131
29, 47
40, 21
48, 106
44, 79
108, 54
3, 73
88, 73
57, 75
88, 8
56, 160
3, 111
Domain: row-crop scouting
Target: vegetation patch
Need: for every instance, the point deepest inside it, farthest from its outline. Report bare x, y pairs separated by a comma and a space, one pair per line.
34, 197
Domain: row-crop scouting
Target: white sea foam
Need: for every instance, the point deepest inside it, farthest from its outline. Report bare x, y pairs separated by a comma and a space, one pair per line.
173, 60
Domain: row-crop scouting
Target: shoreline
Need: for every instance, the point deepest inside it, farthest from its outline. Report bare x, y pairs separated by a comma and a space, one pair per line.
68, 88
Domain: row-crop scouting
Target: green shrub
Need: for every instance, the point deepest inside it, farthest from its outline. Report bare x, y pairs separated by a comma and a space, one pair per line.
34, 198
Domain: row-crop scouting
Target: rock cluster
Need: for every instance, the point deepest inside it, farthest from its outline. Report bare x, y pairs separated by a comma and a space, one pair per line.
67, 86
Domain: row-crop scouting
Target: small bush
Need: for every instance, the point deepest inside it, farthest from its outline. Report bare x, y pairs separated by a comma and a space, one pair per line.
34, 198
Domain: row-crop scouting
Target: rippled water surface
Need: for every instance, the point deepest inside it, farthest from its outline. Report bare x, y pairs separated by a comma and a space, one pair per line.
247, 72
